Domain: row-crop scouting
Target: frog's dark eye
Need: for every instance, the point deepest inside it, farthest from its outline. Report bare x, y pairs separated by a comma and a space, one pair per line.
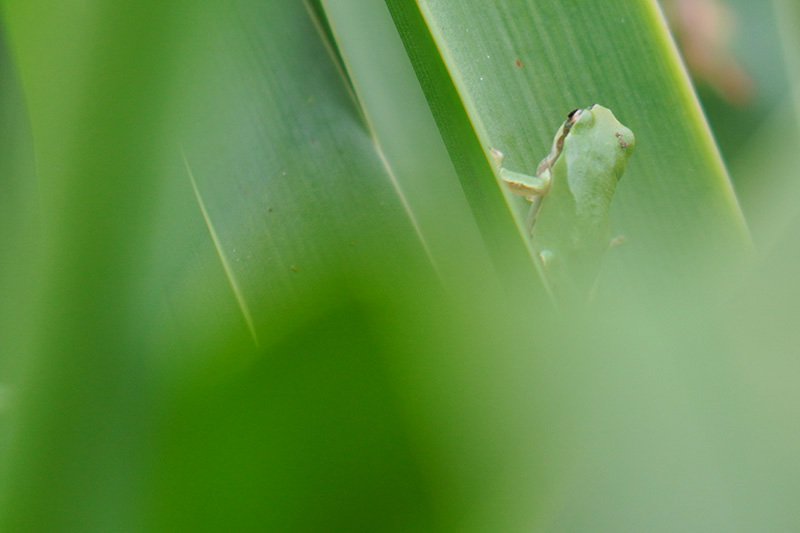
573, 117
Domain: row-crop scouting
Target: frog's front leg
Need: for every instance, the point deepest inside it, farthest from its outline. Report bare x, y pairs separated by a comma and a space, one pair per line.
533, 188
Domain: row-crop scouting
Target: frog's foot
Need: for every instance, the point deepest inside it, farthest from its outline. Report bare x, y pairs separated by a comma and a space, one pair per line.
619, 240
547, 257
518, 182
525, 184
497, 157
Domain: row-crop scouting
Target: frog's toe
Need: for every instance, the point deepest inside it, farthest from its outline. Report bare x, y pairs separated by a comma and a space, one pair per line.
497, 156
619, 240
547, 257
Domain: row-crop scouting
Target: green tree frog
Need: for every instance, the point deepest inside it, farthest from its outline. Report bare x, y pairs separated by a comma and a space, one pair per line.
570, 198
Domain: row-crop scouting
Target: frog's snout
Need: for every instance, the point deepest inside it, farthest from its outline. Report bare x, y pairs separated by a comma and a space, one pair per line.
626, 139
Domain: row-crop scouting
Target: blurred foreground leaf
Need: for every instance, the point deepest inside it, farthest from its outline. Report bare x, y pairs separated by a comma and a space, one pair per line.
282, 289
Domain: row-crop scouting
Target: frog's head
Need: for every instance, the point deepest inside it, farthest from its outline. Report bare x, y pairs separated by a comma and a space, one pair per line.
597, 149
599, 123
602, 115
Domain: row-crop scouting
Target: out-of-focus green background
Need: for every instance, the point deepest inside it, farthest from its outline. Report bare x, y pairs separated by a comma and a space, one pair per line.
257, 273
